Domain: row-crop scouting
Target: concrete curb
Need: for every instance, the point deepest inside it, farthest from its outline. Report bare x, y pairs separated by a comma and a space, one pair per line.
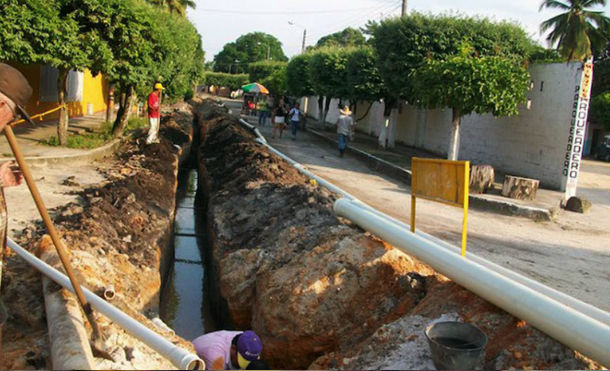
476, 202
94, 154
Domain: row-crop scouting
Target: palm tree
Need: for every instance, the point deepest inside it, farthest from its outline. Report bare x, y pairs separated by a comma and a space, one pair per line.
577, 31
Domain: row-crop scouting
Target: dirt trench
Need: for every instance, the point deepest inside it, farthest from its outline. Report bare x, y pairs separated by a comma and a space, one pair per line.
319, 291
118, 234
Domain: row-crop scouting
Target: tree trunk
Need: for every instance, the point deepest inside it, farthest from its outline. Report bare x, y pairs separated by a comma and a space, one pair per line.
392, 128
62, 92
123, 115
326, 108
454, 140
320, 107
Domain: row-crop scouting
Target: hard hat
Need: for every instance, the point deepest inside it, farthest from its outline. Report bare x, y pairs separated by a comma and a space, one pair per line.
158, 86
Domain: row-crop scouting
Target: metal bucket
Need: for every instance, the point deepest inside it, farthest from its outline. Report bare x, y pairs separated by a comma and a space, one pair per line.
456, 345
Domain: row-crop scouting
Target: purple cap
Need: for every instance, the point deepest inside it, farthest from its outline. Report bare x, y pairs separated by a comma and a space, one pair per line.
249, 345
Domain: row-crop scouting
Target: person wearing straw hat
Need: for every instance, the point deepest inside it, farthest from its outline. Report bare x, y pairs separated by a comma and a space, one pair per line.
154, 108
228, 350
345, 123
15, 91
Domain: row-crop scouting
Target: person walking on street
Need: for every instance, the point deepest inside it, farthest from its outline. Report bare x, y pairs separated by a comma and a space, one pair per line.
263, 112
154, 115
295, 117
228, 350
15, 91
345, 123
278, 118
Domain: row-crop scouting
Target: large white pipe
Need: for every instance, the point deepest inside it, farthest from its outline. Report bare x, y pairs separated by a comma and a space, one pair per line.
179, 357
559, 321
568, 300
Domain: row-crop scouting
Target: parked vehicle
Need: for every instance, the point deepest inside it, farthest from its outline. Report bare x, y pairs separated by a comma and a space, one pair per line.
603, 150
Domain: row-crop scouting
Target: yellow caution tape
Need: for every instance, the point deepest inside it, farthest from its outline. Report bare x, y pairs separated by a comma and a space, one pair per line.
39, 115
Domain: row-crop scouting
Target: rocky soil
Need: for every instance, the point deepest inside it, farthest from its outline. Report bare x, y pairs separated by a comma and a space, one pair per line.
318, 289
118, 233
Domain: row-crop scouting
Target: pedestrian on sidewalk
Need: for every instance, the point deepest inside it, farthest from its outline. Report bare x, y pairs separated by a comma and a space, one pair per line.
278, 118
345, 124
228, 350
295, 117
154, 115
15, 91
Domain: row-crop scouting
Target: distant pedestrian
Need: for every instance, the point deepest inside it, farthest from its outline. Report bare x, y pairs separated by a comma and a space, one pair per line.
278, 118
15, 92
154, 114
263, 112
228, 350
295, 117
345, 124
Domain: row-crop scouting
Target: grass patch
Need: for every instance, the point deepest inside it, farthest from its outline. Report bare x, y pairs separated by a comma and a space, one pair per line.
97, 139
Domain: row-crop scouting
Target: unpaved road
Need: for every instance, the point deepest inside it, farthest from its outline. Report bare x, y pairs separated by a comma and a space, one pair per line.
571, 255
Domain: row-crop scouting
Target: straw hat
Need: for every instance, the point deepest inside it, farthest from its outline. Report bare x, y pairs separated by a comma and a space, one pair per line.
345, 110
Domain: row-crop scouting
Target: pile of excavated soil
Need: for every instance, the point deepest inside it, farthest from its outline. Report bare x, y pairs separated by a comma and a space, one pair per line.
317, 288
118, 234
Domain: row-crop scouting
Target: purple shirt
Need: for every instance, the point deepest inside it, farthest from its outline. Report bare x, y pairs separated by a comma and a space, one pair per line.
214, 345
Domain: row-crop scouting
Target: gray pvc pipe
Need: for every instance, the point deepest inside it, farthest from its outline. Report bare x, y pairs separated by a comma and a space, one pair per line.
559, 321
181, 358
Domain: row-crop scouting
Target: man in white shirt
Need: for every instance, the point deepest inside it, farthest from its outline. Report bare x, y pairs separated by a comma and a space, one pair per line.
345, 124
295, 117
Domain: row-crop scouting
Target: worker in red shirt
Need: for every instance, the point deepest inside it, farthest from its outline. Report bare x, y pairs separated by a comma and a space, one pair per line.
154, 106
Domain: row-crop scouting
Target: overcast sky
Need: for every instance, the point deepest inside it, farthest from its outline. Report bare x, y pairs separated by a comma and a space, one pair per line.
220, 22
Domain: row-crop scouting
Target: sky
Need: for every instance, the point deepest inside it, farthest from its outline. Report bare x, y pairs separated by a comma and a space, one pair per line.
220, 22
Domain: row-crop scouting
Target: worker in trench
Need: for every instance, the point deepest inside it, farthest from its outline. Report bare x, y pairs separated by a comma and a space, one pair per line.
15, 91
230, 350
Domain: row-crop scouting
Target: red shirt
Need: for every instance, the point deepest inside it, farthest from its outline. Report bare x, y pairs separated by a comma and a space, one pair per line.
153, 105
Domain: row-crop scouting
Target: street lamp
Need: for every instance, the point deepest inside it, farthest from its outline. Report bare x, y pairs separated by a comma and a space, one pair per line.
304, 34
236, 66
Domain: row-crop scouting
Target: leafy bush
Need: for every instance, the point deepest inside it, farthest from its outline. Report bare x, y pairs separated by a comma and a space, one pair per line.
258, 71
231, 81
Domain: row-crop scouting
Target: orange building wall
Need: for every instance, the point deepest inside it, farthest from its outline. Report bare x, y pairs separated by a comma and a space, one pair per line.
95, 91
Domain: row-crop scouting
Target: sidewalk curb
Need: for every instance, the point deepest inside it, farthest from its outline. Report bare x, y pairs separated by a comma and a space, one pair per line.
476, 202
94, 154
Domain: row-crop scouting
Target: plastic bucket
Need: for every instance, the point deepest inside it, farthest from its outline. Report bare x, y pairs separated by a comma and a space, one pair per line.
456, 345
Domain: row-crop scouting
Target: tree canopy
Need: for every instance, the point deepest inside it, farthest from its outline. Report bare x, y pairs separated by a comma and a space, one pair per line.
231, 81
327, 72
297, 76
248, 48
258, 71
348, 37
579, 31
404, 44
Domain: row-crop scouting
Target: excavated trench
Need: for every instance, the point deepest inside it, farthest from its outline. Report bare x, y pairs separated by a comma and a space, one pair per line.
319, 291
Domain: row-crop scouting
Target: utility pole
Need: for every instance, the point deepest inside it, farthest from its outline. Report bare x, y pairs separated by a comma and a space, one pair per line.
404, 8
304, 37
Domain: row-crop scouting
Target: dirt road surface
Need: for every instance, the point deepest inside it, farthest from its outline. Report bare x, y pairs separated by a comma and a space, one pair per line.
570, 255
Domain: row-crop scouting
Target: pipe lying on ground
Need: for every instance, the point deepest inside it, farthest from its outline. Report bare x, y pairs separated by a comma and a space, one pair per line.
572, 328
109, 292
588, 309
70, 349
181, 358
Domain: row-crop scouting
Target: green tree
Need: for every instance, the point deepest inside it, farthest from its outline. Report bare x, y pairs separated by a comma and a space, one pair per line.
175, 6
327, 73
45, 32
298, 81
404, 44
230, 80
348, 37
600, 110
579, 30
258, 71
466, 85
249, 48
363, 79
276, 82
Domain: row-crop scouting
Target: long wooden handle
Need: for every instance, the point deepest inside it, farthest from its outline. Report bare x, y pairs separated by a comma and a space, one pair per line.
61, 250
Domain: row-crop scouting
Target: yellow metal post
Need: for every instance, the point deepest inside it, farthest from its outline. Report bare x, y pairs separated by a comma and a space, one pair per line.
412, 213
466, 194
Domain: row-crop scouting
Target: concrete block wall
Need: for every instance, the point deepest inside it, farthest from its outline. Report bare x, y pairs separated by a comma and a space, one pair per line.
531, 144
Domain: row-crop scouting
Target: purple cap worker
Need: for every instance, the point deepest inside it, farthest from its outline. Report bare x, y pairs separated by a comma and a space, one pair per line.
228, 350
15, 91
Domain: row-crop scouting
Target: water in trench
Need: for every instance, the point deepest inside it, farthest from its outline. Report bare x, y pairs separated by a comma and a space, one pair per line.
184, 305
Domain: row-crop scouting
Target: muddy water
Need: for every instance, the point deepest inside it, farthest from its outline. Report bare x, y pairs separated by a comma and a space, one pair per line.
183, 304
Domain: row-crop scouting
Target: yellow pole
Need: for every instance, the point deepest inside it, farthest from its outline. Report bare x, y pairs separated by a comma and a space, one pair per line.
412, 213
466, 194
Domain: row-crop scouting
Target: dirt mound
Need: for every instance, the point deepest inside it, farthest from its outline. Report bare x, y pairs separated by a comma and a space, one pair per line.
117, 234
313, 285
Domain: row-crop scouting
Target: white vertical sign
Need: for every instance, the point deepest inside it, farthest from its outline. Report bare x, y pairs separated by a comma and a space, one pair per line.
578, 127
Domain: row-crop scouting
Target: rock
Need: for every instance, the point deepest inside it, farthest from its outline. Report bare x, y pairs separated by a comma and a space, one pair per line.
520, 188
71, 182
578, 205
481, 178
